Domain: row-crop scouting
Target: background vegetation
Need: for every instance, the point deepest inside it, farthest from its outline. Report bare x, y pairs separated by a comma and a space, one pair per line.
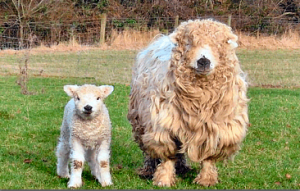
25, 23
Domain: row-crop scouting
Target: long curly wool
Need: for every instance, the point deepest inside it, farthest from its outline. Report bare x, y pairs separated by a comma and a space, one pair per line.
170, 101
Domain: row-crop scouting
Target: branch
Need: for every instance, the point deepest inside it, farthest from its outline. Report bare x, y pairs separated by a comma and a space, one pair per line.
287, 13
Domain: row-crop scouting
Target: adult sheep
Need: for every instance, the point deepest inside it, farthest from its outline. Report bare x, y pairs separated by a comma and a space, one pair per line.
188, 96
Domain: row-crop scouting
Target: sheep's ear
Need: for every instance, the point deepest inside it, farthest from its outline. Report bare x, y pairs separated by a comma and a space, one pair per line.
106, 89
70, 89
233, 42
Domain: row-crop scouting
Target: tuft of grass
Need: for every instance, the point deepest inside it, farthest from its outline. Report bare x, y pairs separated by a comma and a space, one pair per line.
30, 127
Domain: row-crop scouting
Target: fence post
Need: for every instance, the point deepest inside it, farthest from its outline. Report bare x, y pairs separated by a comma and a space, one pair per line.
176, 21
102, 29
229, 20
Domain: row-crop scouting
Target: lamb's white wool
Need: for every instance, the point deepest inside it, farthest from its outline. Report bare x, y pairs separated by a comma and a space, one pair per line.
85, 134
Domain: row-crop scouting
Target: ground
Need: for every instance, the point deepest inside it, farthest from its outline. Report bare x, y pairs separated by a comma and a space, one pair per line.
30, 123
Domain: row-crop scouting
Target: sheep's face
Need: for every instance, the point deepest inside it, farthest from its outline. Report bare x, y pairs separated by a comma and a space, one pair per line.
204, 44
204, 60
88, 99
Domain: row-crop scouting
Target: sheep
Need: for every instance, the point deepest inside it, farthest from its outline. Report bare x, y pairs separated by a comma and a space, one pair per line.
188, 96
85, 134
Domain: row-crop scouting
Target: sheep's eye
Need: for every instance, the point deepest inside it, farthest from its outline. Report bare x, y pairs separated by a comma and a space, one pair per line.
98, 98
78, 98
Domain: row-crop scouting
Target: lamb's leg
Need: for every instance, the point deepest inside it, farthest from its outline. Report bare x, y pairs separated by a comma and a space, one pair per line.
63, 155
92, 161
208, 175
165, 173
104, 176
77, 158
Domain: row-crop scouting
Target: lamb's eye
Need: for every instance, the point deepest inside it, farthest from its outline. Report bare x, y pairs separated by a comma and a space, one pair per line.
78, 98
98, 98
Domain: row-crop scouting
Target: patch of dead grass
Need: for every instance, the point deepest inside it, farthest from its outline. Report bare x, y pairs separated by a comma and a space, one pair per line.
289, 40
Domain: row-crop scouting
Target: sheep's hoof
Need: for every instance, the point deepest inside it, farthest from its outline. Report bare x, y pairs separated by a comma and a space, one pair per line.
206, 180
164, 178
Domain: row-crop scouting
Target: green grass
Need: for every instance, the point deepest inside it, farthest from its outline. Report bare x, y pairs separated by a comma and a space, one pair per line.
263, 67
30, 128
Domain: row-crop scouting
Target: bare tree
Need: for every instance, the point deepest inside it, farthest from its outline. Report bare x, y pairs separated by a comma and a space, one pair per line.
24, 10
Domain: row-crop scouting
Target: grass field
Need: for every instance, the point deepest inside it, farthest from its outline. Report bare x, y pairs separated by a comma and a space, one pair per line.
263, 67
30, 123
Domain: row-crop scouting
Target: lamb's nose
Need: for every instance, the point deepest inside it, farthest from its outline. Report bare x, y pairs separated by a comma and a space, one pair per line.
203, 62
88, 108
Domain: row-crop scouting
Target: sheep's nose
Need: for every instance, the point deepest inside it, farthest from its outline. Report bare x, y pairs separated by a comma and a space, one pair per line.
88, 108
203, 62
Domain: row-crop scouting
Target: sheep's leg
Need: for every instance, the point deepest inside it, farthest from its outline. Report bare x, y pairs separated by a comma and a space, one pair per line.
165, 173
150, 165
63, 155
77, 158
208, 175
104, 176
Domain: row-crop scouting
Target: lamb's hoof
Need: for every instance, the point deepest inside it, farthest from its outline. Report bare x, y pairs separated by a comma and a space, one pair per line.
63, 175
74, 184
208, 180
106, 183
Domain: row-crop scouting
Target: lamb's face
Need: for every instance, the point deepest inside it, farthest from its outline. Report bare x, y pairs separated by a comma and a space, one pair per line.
204, 44
88, 99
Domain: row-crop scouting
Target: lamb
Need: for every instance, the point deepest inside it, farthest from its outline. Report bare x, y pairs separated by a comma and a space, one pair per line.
188, 97
85, 134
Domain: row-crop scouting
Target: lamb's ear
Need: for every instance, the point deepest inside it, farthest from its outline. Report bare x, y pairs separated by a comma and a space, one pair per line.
106, 89
70, 89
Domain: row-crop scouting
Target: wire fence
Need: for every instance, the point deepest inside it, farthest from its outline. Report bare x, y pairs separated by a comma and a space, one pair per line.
14, 35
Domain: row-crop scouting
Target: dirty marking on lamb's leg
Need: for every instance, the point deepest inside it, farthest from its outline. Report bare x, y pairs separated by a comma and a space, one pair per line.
103, 164
77, 164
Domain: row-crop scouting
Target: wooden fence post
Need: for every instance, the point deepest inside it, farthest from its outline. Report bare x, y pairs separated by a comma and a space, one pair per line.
229, 20
102, 29
176, 21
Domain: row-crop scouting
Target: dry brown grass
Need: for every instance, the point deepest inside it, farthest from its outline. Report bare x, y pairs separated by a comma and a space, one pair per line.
131, 39
289, 40
135, 40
